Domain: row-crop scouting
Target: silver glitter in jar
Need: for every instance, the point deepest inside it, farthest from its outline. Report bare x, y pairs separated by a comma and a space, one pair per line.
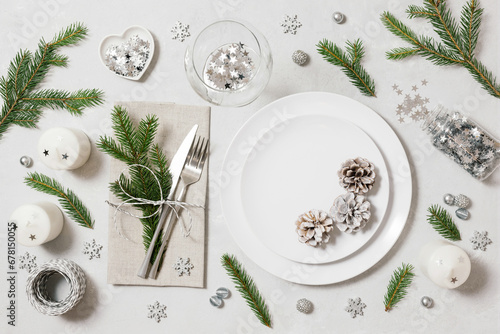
465, 142
230, 67
129, 58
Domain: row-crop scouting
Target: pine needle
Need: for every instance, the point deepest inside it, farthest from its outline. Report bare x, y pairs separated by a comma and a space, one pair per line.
458, 40
398, 285
22, 104
349, 62
443, 223
246, 286
71, 204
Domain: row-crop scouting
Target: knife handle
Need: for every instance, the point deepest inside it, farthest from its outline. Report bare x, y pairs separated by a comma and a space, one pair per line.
143, 270
153, 272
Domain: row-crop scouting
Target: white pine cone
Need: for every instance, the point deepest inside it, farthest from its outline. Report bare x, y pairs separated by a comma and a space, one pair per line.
313, 227
350, 212
357, 175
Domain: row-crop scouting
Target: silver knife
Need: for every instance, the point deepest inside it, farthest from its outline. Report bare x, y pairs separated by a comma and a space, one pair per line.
175, 168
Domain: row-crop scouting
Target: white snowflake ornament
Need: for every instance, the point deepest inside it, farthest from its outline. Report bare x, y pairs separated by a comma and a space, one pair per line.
183, 266
27, 261
290, 24
480, 240
355, 307
92, 249
157, 311
180, 31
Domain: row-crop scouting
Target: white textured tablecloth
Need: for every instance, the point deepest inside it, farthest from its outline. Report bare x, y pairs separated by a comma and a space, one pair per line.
473, 308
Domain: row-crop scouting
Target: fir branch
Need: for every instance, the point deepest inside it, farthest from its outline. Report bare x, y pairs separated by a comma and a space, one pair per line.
71, 204
134, 145
443, 223
398, 285
349, 62
459, 40
26, 72
247, 288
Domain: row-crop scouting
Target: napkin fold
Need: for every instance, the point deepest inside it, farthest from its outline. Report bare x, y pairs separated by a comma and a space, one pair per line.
125, 256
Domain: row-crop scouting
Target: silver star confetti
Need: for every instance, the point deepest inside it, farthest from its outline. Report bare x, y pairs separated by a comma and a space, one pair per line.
229, 67
157, 311
414, 106
27, 261
480, 240
92, 249
290, 24
183, 266
355, 307
180, 31
129, 58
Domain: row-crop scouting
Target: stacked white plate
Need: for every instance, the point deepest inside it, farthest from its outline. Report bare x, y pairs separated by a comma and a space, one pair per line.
284, 162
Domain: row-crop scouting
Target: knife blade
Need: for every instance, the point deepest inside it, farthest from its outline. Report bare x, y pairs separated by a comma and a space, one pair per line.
175, 168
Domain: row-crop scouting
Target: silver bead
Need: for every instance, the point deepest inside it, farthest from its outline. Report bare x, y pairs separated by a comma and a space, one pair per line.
449, 199
338, 17
300, 57
25, 161
462, 213
426, 301
304, 306
461, 201
222, 293
215, 301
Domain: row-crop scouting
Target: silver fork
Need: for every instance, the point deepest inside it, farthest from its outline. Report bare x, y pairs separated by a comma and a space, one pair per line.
190, 174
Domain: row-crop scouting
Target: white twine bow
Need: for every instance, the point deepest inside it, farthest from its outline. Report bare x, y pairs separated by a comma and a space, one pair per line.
173, 204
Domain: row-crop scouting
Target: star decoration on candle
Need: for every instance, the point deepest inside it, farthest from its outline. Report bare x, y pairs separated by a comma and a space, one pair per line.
32, 237
65, 156
14, 227
439, 262
461, 259
59, 138
454, 280
45, 152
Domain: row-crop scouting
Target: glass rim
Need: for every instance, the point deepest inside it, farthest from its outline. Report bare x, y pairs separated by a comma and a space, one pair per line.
245, 25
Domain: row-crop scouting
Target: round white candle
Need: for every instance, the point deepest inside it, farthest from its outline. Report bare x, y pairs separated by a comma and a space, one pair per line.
64, 148
37, 223
445, 264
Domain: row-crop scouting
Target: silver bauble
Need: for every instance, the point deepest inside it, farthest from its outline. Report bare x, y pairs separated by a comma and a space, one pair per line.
426, 301
449, 199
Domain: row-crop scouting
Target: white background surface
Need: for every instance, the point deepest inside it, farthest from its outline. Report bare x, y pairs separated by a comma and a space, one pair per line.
473, 308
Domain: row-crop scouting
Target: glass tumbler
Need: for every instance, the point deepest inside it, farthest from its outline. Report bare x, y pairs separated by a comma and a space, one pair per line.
229, 63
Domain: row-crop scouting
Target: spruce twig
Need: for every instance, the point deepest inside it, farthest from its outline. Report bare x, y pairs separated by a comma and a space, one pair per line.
349, 62
22, 103
458, 40
246, 286
443, 223
398, 285
71, 204
134, 145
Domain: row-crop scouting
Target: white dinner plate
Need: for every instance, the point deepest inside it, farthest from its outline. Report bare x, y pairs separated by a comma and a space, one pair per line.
396, 168
293, 168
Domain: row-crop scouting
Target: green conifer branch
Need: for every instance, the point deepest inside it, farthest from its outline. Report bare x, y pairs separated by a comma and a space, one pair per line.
134, 145
247, 288
459, 40
398, 285
349, 62
443, 223
71, 204
26, 72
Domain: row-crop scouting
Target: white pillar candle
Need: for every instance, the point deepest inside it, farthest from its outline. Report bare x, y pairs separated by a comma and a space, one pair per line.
64, 148
37, 223
445, 264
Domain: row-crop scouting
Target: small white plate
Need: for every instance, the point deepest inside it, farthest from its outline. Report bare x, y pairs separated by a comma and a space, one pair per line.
292, 169
119, 39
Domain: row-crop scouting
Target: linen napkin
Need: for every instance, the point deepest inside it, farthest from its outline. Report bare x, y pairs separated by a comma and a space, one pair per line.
125, 256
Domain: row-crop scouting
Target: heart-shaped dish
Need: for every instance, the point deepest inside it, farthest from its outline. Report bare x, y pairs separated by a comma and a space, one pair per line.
117, 41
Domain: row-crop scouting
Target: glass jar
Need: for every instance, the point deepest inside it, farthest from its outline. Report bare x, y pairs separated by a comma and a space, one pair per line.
461, 139
229, 63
